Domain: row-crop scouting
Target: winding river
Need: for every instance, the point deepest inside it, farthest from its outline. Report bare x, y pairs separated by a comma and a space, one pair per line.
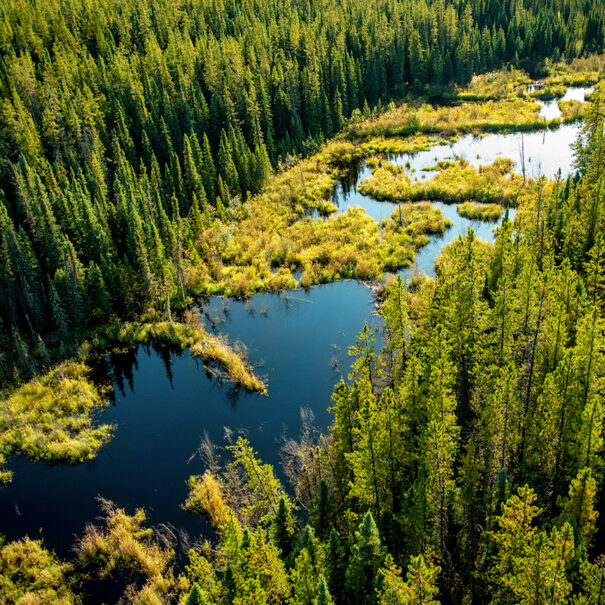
298, 340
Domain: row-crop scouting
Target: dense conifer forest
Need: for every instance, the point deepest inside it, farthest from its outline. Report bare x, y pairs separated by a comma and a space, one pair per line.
153, 153
128, 127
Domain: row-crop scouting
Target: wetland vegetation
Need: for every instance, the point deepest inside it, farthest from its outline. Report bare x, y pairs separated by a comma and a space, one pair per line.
157, 154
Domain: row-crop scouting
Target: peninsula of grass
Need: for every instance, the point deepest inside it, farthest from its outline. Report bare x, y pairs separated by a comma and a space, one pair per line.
480, 212
506, 82
50, 418
457, 182
191, 336
548, 92
505, 115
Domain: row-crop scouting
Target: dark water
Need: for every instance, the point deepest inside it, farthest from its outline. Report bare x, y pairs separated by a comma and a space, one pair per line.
299, 344
164, 402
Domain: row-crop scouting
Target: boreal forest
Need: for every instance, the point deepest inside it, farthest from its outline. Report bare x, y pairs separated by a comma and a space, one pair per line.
302, 302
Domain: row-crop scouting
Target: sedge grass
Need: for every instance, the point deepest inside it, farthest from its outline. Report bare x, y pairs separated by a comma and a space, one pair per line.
50, 418
480, 212
457, 182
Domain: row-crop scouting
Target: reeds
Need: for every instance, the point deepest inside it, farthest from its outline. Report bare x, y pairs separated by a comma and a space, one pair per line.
457, 182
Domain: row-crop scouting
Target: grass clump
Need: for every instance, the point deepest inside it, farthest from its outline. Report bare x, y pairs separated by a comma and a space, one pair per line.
480, 212
206, 498
124, 547
456, 183
409, 225
572, 110
398, 145
50, 418
548, 92
192, 336
495, 85
32, 575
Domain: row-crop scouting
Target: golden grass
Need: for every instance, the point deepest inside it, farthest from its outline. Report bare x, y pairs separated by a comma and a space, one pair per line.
124, 545
190, 336
399, 145
503, 115
206, 498
548, 92
585, 71
495, 85
50, 418
32, 575
480, 212
456, 182
572, 110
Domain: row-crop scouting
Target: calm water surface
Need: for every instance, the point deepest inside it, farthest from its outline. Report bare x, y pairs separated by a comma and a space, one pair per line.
165, 402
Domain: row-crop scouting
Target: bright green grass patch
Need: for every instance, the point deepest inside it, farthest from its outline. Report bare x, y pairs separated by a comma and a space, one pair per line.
495, 85
480, 212
124, 544
50, 418
397, 145
193, 337
456, 183
548, 92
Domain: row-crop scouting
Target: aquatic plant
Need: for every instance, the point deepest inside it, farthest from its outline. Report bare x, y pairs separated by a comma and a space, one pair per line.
502, 115
206, 498
498, 84
50, 418
480, 212
122, 545
581, 71
31, 575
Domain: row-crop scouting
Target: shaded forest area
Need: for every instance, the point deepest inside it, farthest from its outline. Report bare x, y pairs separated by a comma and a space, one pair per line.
127, 128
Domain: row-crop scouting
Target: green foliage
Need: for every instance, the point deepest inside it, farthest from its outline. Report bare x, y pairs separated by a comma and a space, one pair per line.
123, 544
192, 336
263, 488
420, 585
456, 182
367, 555
481, 212
530, 564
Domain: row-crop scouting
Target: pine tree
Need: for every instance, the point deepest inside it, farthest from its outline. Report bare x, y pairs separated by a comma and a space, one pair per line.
282, 530
366, 559
323, 594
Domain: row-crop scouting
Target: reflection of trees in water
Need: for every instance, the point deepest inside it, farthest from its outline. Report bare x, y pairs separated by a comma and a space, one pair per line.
347, 182
117, 370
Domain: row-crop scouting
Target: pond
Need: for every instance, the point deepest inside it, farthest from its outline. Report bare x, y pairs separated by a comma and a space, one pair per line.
165, 402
